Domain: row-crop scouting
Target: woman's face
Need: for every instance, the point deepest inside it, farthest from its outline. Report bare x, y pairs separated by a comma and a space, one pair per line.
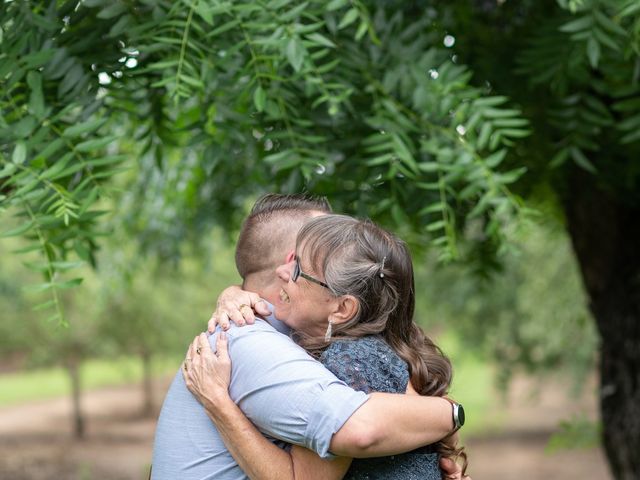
303, 305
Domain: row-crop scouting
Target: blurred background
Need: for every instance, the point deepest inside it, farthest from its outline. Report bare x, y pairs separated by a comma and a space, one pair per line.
500, 139
81, 401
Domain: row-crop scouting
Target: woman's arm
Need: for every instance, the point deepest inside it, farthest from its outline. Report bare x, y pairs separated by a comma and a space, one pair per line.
259, 458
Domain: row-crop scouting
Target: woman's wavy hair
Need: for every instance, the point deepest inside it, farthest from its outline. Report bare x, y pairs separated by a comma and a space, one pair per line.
359, 258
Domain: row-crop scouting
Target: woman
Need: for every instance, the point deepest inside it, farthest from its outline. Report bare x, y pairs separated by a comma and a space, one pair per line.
348, 294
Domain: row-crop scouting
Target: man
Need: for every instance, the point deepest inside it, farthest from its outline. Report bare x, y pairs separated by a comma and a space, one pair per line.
284, 392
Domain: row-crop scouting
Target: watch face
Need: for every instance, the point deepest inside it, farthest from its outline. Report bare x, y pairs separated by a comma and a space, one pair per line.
460, 415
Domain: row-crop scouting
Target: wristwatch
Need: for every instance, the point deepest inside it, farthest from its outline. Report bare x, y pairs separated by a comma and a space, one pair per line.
457, 413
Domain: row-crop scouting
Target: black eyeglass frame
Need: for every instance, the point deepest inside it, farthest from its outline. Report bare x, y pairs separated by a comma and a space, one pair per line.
297, 272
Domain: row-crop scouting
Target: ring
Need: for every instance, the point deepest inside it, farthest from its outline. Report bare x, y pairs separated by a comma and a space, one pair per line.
243, 305
198, 350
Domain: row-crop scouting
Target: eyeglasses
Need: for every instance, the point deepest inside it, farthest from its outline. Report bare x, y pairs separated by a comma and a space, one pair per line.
297, 272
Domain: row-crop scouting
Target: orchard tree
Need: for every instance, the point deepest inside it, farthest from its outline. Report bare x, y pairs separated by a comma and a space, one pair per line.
422, 115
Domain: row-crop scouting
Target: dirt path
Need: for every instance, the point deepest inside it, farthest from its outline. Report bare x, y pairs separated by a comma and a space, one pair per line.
35, 443
531, 415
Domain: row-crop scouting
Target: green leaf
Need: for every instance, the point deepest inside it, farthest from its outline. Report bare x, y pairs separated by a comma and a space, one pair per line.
83, 127
432, 227
224, 28
496, 159
24, 228
362, 29
8, 170
276, 4
69, 283
202, 9
403, 152
631, 137
581, 160
166, 64
490, 101
41, 287
50, 149
608, 24
19, 153
259, 98
95, 144
433, 208
294, 13
583, 23
632, 8
121, 26
113, 10
295, 53
559, 158
349, 17
57, 167
321, 39
336, 4
485, 132
36, 98
44, 305
62, 266
500, 113
38, 59
605, 39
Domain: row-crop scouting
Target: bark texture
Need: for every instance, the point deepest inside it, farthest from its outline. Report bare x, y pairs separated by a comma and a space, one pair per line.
73, 367
605, 232
147, 384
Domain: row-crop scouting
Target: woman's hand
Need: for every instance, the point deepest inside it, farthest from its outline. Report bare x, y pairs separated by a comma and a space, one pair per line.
237, 305
451, 470
208, 374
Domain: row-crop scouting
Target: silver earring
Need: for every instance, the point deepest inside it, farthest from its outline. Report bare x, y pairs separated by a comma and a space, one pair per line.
327, 335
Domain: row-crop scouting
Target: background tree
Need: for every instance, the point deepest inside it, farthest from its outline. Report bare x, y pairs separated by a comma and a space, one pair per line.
408, 112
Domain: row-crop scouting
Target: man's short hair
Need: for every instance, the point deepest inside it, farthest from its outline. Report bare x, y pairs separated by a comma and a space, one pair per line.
273, 220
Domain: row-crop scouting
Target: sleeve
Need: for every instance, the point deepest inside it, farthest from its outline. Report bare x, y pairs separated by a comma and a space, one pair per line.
286, 393
367, 364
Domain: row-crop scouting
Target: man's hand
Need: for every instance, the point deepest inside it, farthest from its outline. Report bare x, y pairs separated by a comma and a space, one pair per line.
451, 470
238, 306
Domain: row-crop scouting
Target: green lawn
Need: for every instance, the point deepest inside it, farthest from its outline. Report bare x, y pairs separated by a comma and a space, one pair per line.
473, 386
54, 382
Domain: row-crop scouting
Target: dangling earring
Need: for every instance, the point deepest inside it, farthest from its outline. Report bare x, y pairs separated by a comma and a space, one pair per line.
327, 335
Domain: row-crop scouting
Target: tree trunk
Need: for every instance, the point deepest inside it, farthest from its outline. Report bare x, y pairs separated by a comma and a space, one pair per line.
147, 385
73, 368
606, 239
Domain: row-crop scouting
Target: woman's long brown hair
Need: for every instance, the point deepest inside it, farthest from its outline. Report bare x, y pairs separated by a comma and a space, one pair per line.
359, 258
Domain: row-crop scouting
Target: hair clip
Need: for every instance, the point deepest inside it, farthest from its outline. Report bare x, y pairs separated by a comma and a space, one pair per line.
384, 259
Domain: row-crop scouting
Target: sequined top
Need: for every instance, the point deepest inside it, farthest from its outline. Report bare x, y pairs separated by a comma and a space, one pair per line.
370, 365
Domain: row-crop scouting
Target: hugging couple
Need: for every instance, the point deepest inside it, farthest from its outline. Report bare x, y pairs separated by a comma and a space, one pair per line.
335, 380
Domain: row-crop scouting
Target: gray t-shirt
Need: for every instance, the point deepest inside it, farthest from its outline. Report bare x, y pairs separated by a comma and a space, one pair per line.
286, 393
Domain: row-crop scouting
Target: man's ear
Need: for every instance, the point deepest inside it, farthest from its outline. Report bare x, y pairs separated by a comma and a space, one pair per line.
346, 308
290, 256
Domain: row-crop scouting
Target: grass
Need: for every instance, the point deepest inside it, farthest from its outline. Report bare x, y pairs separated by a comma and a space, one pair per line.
47, 383
473, 387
